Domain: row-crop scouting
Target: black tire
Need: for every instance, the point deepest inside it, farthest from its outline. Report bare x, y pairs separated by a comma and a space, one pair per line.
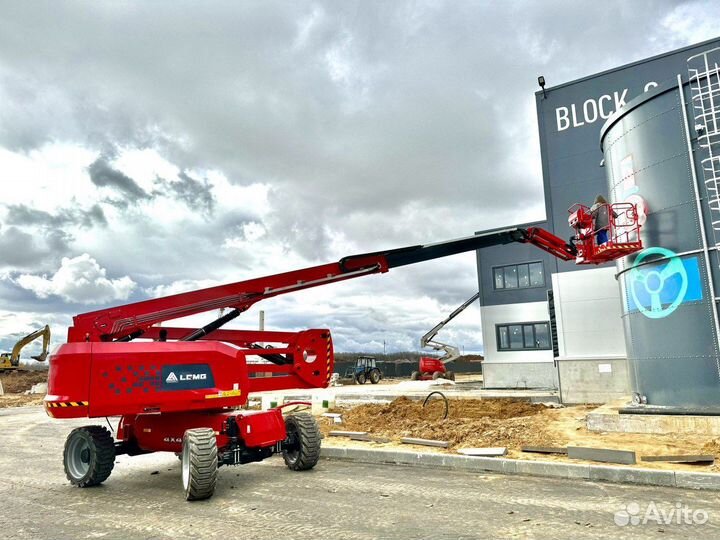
414, 376
361, 378
89, 456
199, 463
436, 375
450, 375
375, 376
301, 449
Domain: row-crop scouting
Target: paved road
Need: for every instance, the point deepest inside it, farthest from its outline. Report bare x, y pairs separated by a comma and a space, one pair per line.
336, 500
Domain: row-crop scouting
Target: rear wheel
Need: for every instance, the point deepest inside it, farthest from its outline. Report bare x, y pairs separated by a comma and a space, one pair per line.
436, 375
199, 463
414, 376
89, 456
301, 449
450, 375
375, 376
361, 378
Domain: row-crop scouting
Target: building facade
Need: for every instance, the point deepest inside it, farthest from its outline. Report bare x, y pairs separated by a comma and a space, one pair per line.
548, 323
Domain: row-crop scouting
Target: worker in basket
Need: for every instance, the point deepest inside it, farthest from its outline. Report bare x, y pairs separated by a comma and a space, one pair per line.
600, 212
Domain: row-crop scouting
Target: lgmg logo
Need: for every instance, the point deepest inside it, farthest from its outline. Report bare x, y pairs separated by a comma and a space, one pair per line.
172, 378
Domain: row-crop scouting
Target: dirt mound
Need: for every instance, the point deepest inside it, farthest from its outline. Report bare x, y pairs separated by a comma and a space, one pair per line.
712, 447
471, 422
20, 400
16, 382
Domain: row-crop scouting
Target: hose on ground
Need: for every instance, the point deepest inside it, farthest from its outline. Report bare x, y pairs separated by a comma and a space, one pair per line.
447, 404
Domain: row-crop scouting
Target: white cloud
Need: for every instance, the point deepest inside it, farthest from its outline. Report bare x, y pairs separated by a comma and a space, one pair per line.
298, 134
692, 22
80, 280
181, 286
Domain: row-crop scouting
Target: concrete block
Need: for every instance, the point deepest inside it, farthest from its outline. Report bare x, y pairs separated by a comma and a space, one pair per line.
485, 464
483, 452
626, 475
39, 388
369, 456
602, 454
544, 449
433, 460
347, 433
424, 442
333, 452
559, 470
705, 459
693, 480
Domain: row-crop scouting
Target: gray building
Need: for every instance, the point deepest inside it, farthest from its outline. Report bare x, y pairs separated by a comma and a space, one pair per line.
548, 323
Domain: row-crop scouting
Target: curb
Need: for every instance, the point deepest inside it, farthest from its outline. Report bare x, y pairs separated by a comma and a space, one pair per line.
597, 473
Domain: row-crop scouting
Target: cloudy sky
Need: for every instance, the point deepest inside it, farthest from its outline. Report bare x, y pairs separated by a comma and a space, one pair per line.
154, 147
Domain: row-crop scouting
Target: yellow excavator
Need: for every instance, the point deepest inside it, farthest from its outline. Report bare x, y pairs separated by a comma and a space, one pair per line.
11, 360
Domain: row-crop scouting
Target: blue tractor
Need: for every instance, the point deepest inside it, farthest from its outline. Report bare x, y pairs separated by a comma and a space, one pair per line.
365, 369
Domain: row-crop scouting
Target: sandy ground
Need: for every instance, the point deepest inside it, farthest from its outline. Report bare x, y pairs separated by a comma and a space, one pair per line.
509, 423
14, 383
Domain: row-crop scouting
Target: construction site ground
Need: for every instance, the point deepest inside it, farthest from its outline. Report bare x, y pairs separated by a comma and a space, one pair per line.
509, 423
512, 421
16, 382
143, 499
466, 386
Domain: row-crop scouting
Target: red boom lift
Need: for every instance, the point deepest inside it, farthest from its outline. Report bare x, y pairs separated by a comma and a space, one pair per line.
178, 389
431, 367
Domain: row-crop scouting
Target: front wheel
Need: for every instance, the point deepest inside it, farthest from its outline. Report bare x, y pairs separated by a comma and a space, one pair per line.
361, 378
301, 449
450, 375
89, 456
199, 463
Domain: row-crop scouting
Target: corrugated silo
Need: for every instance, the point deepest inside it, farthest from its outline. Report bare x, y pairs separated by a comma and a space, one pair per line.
658, 153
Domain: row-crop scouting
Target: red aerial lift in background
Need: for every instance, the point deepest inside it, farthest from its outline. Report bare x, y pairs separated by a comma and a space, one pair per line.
178, 389
431, 367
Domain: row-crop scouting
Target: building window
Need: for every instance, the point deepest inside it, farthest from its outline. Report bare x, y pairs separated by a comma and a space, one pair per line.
523, 336
519, 276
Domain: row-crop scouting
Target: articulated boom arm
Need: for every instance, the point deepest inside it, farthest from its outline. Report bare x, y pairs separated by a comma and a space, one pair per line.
124, 323
428, 340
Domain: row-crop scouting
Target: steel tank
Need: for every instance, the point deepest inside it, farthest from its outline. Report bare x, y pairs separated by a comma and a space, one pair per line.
653, 157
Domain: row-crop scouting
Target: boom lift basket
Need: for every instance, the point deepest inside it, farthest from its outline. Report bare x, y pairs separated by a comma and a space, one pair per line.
623, 232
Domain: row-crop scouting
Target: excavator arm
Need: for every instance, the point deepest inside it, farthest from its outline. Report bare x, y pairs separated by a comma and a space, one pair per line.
14, 358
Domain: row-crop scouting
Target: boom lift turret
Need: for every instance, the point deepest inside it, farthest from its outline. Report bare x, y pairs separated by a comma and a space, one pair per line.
177, 389
434, 368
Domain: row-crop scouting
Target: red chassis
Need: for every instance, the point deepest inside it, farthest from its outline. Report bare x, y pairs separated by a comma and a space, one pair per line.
178, 389
432, 368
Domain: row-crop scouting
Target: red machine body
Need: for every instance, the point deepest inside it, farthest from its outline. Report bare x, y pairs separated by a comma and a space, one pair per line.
428, 367
125, 378
429, 364
155, 386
